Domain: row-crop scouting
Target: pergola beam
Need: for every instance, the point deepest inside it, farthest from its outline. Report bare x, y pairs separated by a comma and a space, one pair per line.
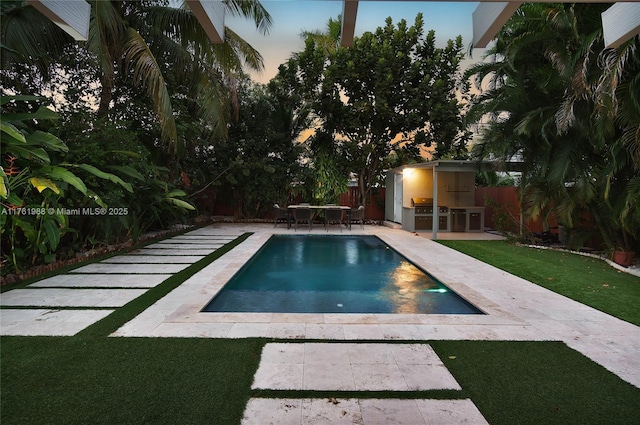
349, 13
620, 23
71, 15
210, 15
488, 19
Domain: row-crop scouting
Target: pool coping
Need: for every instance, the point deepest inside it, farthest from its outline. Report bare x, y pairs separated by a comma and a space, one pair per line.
515, 308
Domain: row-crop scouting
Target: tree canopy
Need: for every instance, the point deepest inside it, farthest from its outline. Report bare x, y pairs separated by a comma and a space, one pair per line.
144, 41
393, 90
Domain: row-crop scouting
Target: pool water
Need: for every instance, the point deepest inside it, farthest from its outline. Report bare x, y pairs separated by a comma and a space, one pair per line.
334, 274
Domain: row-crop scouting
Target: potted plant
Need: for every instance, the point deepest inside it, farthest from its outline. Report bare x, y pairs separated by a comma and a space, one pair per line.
623, 257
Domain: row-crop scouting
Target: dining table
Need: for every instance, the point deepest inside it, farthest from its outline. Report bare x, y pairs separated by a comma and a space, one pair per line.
321, 207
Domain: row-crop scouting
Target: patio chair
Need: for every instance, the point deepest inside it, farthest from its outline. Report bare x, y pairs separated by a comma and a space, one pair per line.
303, 214
357, 216
281, 215
332, 215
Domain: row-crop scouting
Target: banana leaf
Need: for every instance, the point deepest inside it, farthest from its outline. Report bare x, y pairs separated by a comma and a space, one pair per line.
101, 174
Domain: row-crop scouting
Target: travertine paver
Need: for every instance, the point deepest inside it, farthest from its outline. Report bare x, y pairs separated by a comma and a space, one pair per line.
339, 411
153, 259
130, 268
102, 280
34, 322
188, 237
192, 241
159, 252
63, 297
352, 367
178, 247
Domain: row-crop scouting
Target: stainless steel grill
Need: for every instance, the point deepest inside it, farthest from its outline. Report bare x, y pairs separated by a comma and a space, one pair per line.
421, 202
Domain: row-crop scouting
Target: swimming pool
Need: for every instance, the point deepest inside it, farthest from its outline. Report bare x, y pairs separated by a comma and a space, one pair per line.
334, 274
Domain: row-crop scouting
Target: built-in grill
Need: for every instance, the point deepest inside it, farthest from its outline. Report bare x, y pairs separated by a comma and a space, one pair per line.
421, 202
423, 214
425, 206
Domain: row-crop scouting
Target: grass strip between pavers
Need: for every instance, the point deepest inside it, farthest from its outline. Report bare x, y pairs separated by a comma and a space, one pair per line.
123, 314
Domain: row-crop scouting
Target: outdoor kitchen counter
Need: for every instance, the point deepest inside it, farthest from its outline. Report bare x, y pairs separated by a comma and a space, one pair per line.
452, 218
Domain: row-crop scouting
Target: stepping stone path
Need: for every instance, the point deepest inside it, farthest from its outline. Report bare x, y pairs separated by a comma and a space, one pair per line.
355, 367
68, 303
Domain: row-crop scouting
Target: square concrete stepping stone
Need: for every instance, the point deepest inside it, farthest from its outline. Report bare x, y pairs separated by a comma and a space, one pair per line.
41, 322
170, 252
340, 411
352, 367
56, 297
153, 259
102, 280
100, 268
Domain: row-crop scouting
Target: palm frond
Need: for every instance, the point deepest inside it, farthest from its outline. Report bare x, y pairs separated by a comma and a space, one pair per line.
147, 72
249, 56
182, 27
107, 32
29, 37
251, 9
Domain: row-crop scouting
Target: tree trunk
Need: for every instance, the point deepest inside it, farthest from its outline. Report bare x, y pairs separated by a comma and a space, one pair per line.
362, 189
106, 93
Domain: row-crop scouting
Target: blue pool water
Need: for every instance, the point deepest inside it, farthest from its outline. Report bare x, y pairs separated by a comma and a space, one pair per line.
334, 274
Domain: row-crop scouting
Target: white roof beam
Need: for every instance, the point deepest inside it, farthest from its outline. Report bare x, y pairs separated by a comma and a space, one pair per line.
210, 15
70, 15
488, 19
620, 23
349, 13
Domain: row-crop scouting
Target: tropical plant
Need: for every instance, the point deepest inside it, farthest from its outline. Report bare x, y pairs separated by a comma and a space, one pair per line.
142, 40
119, 148
33, 186
555, 98
258, 162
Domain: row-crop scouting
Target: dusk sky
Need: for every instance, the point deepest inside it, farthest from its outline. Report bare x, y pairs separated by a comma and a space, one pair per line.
291, 17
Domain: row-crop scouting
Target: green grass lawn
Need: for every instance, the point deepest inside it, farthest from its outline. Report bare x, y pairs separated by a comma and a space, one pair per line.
585, 279
96, 379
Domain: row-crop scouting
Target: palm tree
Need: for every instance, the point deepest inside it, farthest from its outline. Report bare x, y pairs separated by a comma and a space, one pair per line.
143, 40
550, 100
328, 40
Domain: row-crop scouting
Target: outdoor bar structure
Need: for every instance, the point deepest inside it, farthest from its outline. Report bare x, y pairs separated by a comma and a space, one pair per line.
436, 196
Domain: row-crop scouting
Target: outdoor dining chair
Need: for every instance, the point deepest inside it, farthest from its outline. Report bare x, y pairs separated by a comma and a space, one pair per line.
357, 216
332, 215
281, 215
302, 214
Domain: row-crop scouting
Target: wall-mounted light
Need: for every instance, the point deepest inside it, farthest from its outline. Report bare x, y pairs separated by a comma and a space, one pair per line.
408, 172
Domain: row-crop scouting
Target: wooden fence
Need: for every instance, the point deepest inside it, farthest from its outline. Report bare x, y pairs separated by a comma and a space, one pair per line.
507, 200
494, 199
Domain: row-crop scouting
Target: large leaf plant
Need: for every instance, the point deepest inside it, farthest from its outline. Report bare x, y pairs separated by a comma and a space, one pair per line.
34, 184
